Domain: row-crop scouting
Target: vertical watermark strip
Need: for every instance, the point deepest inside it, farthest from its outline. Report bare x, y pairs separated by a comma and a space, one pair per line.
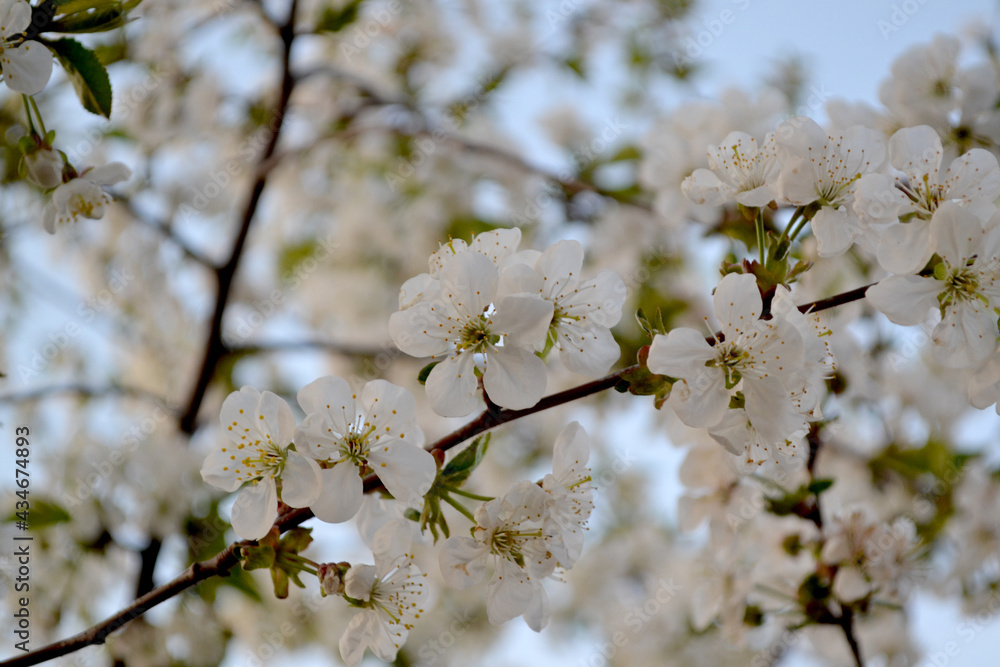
22, 543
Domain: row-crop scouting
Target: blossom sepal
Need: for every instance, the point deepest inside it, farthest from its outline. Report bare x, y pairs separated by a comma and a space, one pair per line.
281, 556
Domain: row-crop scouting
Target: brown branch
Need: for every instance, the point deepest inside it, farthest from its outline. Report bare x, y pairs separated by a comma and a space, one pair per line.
846, 623
218, 565
836, 300
225, 560
214, 347
313, 344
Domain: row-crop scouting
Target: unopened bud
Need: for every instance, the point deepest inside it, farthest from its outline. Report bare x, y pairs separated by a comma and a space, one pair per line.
331, 578
44, 168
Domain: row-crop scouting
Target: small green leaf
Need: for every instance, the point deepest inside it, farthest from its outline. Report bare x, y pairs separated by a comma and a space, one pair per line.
335, 20
41, 514
88, 75
426, 371
818, 486
459, 468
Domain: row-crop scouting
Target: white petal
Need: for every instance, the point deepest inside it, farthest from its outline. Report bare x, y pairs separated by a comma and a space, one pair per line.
27, 68
15, 17
362, 630
469, 283
703, 187
406, 470
329, 396
681, 353
974, 176
917, 151
834, 231
463, 561
510, 593
571, 450
702, 401
966, 336
341, 495
358, 582
213, 471
418, 288
537, 613
275, 418
956, 232
452, 387
300, 480
524, 318
906, 247
415, 330
905, 300
255, 509
519, 278
560, 265
849, 584
770, 409
737, 303
392, 411
588, 351
515, 378
108, 174
497, 244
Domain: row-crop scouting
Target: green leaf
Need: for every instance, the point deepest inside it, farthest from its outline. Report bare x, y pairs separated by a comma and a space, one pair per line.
818, 486
459, 468
87, 73
426, 371
335, 20
41, 514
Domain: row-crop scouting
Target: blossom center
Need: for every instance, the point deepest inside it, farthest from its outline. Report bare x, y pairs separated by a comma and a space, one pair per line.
476, 336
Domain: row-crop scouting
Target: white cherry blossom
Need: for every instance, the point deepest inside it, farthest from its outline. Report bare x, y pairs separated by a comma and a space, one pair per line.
752, 355
583, 310
392, 595
570, 492
83, 196
466, 327
260, 427
739, 170
816, 167
376, 433
510, 539
972, 179
965, 287
26, 65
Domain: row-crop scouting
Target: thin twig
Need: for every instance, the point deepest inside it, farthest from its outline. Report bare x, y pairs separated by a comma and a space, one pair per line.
167, 230
214, 347
83, 390
345, 349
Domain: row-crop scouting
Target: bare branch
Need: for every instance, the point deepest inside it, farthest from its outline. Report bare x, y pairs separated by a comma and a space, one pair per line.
85, 391
345, 349
214, 347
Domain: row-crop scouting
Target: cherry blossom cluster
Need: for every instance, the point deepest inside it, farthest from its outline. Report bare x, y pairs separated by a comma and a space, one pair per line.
933, 227
321, 462
485, 310
756, 383
526, 535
